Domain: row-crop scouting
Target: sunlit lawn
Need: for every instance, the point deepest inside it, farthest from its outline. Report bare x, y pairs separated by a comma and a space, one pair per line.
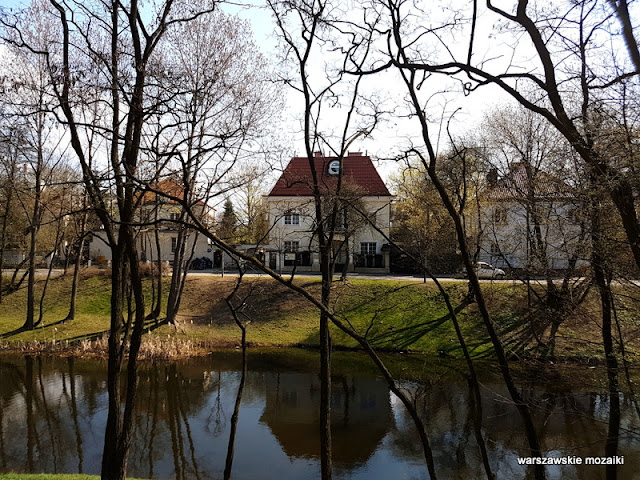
400, 313
391, 315
407, 316
91, 318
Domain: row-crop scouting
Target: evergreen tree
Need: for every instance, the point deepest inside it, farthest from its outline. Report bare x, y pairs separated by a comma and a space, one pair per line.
228, 223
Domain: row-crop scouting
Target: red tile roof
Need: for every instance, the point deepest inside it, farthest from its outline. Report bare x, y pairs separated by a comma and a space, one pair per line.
170, 187
358, 170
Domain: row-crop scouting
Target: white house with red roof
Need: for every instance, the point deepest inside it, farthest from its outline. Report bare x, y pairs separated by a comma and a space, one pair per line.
359, 243
160, 209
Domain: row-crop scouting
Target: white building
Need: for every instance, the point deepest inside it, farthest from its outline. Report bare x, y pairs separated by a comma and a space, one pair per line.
531, 219
157, 211
292, 238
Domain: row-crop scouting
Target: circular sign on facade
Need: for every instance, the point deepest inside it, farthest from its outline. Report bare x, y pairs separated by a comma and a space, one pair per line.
334, 167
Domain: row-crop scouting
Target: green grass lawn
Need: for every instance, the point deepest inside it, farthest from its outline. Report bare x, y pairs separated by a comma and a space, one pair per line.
92, 310
392, 315
406, 316
397, 315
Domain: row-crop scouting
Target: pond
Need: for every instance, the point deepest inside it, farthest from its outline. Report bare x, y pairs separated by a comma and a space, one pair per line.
53, 413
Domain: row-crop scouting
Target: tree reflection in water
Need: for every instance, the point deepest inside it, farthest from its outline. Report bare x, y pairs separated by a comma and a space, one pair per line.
70, 396
53, 412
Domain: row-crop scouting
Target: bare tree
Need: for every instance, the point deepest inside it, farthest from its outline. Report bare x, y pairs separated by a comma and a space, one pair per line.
401, 51
567, 88
104, 57
29, 100
252, 210
310, 17
216, 104
532, 207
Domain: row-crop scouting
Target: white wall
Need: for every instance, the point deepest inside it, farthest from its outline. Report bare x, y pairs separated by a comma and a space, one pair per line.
560, 233
303, 232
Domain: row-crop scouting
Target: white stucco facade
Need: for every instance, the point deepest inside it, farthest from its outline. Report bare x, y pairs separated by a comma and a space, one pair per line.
292, 241
509, 235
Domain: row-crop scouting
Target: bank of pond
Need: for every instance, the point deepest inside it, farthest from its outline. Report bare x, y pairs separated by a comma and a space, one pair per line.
53, 413
394, 315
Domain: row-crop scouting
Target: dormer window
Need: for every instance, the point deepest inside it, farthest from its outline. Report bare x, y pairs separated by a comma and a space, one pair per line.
334, 168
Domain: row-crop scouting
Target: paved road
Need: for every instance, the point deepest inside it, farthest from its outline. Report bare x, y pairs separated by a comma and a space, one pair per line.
56, 272
379, 276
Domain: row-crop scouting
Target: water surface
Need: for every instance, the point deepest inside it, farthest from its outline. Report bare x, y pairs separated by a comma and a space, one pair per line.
53, 412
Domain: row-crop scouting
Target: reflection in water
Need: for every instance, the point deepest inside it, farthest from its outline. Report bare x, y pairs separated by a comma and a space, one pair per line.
360, 416
236, 409
28, 386
53, 413
71, 403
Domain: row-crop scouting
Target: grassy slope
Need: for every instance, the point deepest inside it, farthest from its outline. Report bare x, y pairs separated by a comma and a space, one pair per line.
394, 315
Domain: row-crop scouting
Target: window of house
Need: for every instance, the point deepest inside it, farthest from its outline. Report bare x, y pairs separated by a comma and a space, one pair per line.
495, 250
341, 219
334, 168
292, 219
291, 246
174, 216
368, 248
305, 259
174, 244
290, 398
290, 255
500, 215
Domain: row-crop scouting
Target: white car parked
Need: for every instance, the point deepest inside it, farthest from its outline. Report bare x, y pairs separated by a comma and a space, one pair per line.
486, 270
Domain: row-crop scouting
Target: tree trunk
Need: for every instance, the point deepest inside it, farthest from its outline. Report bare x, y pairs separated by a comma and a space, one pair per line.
34, 227
74, 282
5, 224
603, 282
29, 322
179, 275
157, 309
119, 427
56, 246
172, 297
113, 456
45, 287
325, 368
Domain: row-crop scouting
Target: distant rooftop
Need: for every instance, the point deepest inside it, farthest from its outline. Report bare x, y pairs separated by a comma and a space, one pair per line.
168, 187
357, 170
516, 184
